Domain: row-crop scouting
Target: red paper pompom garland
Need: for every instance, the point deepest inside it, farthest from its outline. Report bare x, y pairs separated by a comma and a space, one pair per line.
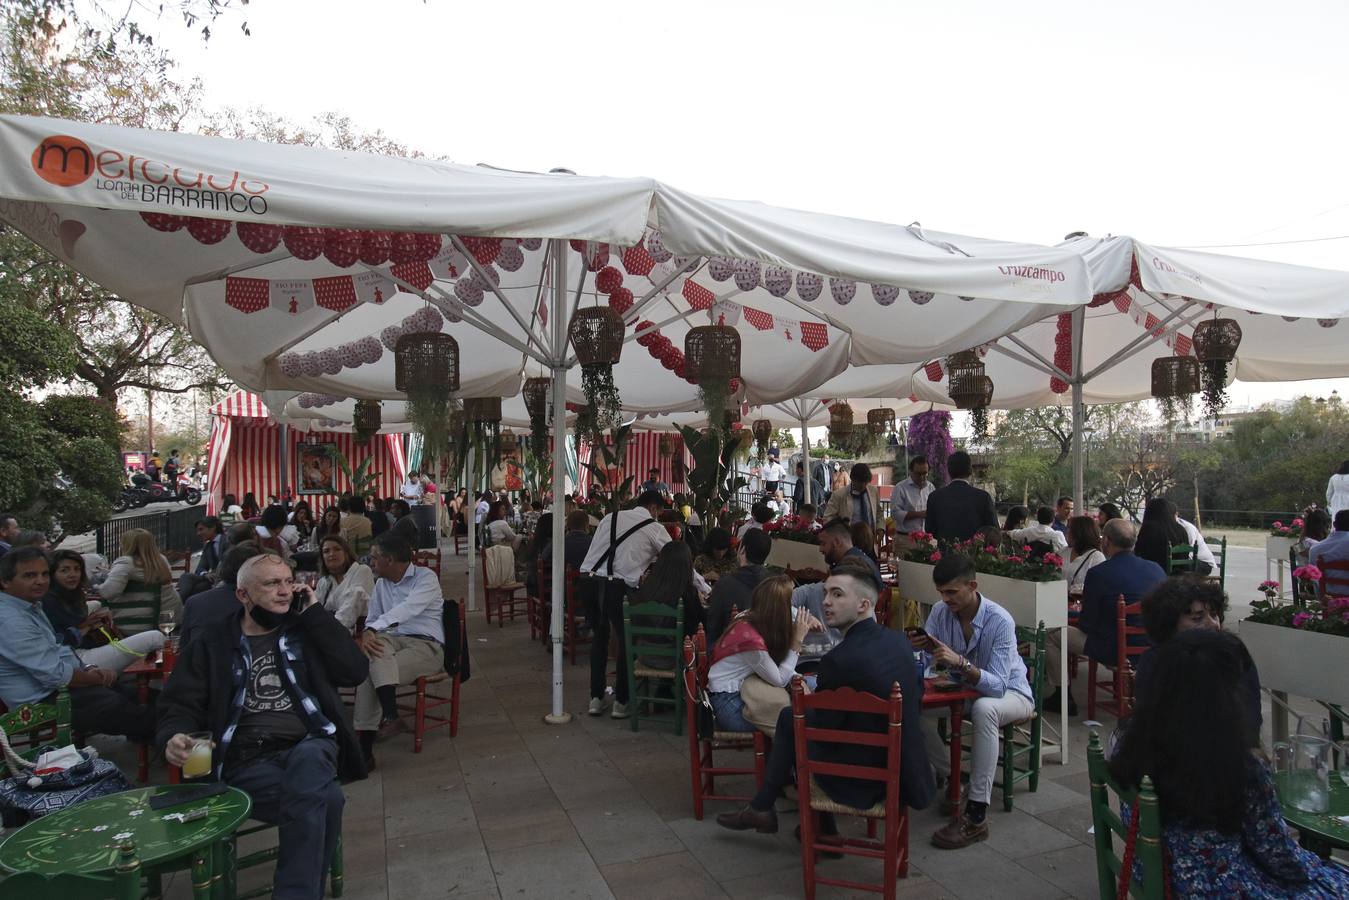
303, 241
164, 221
376, 247
209, 231
260, 237
608, 279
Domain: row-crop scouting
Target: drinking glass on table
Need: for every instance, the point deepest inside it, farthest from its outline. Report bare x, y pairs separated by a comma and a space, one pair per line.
1342, 749
167, 623
198, 763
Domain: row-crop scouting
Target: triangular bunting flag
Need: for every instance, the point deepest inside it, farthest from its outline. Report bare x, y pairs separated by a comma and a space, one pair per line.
815, 335
248, 295
292, 295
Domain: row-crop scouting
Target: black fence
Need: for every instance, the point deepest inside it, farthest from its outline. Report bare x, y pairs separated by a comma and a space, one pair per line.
175, 530
1241, 518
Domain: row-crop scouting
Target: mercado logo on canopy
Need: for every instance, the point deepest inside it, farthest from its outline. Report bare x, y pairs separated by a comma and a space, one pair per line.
69, 162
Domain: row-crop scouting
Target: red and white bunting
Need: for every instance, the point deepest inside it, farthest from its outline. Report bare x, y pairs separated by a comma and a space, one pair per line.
292, 295
373, 287
726, 312
1169, 334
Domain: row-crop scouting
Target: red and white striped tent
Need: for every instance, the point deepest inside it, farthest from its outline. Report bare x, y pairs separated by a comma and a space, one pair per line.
244, 453
643, 455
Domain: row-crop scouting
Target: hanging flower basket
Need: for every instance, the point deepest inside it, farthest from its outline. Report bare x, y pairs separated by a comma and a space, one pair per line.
482, 410
596, 335
763, 433
535, 392
1215, 345
1175, 376
840, 424
426, 359
711, 361
365, 419
881, 421
979, 397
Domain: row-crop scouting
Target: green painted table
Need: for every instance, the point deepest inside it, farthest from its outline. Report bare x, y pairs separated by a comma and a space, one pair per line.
85, 838
1320, 832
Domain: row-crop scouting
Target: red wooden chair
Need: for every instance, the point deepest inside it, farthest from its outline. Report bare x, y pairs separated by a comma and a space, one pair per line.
505, 597
428, 558
1334, 578
705, 739
539, 610
1119, 686
423, 705
574, 619
885, 606
893, 847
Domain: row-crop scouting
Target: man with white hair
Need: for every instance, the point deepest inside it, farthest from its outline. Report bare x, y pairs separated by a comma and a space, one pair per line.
264, 684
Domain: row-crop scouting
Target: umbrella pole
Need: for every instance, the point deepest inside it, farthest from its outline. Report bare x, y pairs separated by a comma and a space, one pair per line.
805, 461
558, 591
471, 524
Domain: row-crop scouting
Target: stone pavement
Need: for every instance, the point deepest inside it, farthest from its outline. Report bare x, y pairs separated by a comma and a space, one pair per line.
516, 808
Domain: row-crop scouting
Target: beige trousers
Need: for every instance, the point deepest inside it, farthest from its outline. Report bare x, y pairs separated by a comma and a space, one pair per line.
405, 660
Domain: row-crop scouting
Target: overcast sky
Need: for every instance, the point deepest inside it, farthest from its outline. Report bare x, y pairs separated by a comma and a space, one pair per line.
1182, 124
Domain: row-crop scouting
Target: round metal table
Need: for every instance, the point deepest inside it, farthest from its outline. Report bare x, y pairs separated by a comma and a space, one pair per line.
1320, 832
87, 837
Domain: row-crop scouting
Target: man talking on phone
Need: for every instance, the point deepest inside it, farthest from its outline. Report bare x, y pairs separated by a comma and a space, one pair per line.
264, 684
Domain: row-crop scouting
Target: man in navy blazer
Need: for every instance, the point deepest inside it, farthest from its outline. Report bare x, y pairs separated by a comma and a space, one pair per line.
958, 509
1096, 632
871, 658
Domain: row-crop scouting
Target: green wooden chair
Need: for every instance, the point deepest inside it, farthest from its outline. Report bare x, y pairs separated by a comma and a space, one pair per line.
1182, 558
268, 855
649, 640
1107, 825
137, 609
1020, 759
34, 725
1221, 575
124, 883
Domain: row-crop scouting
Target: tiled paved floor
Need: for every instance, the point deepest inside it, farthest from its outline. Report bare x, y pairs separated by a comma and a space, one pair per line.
516, 808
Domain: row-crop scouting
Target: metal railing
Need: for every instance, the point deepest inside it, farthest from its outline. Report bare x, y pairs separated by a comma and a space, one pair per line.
175, 530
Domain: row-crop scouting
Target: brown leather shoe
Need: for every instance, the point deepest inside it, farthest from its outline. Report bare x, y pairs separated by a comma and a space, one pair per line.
960, 833
948, 808
747, 817
391, 727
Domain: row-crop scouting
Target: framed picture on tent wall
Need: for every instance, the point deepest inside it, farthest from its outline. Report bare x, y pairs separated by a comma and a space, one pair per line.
318, 473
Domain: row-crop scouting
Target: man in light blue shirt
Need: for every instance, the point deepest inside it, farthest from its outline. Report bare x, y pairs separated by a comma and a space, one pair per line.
974, 640
404, 638
1335, 548
33, 666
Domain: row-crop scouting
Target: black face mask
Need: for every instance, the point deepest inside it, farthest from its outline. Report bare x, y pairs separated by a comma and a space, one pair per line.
270, 620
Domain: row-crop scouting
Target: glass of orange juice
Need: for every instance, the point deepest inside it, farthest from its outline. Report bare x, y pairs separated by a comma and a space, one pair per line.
198, 763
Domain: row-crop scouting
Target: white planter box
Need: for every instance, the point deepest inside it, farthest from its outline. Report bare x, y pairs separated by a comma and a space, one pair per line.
1302, 663
1029, 602
796, 555
1276, 548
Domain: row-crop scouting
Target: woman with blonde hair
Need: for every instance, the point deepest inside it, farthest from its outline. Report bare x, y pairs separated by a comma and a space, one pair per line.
345, 585
139, 587
766, 641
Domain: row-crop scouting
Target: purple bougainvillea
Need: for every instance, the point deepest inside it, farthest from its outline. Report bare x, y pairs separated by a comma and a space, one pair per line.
930, 436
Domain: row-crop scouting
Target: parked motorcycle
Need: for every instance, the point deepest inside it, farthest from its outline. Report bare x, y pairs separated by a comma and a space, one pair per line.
144, 491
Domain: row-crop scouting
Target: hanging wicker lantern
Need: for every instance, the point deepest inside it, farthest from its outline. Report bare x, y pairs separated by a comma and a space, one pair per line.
979, 397
732, 417
712, 354
667, 445
535, 392
1175, 376
596, 334
425, 359
1217, 340
746, 438
965, 379
509, 442
840, 424
482, 410
763, 430
881, 420
365, 419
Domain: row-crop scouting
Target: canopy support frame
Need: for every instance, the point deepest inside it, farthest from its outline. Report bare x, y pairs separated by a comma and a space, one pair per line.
558, 368
496, 290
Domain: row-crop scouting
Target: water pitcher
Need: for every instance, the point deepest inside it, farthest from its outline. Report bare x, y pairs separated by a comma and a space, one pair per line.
1305, 762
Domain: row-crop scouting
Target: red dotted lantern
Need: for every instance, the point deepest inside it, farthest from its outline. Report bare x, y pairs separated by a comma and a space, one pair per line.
164, 221
209, 231
608, 280
484, 249
620, 301
376, 247
342, 246
259, 237
303, 241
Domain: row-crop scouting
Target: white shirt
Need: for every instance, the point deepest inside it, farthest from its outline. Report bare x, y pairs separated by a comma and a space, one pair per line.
772, 471
501, 532
480, 511
634, 555
1075, 571
1203, 554
746, 529
410, 606
728, 674
347, 600
1046, 533
909, 497
412, 490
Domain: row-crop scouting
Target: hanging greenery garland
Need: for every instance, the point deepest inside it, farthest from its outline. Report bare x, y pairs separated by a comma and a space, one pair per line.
1215, 345
535, 392
979, 423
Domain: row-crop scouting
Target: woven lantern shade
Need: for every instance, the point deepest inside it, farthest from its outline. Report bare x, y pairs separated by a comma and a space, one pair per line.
731, 417
509, 441
365, 418
484, 410
1175, 376
535, 393
1217, 340
966, 382
746, 438
881, 420
425, 359
712, 352
979, 397
596, 335
763, 430
840, 417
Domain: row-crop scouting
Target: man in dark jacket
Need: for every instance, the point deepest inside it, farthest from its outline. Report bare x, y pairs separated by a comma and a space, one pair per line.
735, 589
264, 684
871, 658
404, 525
958, 509
221, 602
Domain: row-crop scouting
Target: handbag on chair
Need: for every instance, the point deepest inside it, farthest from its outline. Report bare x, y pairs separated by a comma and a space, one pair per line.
59, 777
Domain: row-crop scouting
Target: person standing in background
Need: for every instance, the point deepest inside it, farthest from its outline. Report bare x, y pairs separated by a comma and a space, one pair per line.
1337, 490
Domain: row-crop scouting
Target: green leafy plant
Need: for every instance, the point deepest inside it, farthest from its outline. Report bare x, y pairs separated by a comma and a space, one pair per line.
611, 456
604, 406
713, 480
363, 478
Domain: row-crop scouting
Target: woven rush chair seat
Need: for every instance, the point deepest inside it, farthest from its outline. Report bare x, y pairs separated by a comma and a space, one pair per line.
820, 802
746, 737
648, 672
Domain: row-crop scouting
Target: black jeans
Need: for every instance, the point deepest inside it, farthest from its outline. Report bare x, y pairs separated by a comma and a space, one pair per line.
604, 610
297, 790
104, 710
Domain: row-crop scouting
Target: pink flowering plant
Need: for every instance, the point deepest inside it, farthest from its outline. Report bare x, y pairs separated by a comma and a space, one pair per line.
1320, 613
1291, 530
1019, 564
791, 528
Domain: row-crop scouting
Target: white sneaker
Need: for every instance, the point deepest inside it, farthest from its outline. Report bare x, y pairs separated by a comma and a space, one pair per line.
596, 706
620, 711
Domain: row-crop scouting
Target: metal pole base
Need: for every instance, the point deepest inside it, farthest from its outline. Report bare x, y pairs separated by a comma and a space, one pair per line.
558, 719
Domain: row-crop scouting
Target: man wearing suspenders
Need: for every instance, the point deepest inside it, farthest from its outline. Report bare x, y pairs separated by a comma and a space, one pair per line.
624, 545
